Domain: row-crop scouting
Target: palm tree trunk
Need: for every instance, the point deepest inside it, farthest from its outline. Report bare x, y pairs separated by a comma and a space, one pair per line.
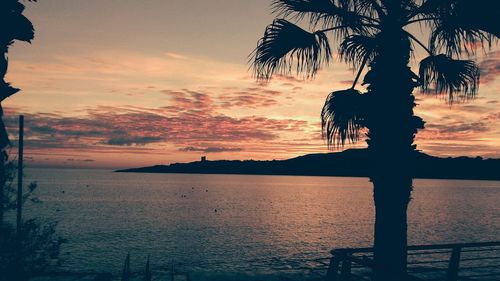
392, 167
392, 128
392, 157
391, 196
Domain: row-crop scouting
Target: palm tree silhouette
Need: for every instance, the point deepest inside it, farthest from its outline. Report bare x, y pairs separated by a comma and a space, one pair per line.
375, 34
13, 26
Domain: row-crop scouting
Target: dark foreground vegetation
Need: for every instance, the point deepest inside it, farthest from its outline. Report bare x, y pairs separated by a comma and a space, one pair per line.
349, 163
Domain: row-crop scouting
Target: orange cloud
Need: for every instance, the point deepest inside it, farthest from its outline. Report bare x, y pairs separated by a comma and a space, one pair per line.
173, 107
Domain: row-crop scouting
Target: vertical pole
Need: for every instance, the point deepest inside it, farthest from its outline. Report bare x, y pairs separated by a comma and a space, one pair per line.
345, 273
333, 268
19, 221
454, 265
20, 176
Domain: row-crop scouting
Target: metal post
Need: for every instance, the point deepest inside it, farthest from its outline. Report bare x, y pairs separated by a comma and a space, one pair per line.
454, 265
19, 217
333, 268
20, 177
345, 274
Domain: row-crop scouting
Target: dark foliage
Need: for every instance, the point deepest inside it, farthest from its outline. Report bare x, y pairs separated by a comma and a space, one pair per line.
376, 33
447, 75
40, 248
283, 43
342, 116
38, 244
458, 28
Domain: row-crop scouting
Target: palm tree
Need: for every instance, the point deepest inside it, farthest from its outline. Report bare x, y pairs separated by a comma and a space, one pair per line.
376, 34
13, 26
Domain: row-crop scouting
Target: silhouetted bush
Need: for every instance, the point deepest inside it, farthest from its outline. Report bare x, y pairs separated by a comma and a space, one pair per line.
38, 246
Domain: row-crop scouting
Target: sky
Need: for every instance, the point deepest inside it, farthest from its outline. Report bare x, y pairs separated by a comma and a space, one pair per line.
126, 83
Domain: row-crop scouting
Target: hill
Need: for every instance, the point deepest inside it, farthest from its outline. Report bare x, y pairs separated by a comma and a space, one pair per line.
349, 163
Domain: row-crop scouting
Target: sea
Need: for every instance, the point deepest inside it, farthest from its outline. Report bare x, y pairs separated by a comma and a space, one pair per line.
234, 226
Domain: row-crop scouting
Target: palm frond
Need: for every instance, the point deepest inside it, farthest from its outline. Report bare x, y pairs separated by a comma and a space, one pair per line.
452, 38
15, 25
342, 117
369, 8
285, 46
410, 5
430, 6
302, 8
480, 15
459, 26
4, 64
357, 48
12, 6
6, 90
450, 76
327, 13
22, 29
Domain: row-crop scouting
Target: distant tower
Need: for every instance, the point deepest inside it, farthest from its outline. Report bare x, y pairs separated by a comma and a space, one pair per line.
203, 159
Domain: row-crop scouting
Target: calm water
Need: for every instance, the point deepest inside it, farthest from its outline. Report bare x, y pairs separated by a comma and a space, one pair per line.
234, 223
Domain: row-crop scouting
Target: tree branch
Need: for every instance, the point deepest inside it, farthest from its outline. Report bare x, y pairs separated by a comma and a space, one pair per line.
419, 20
377, 8
359, 72
419, 43
344, 26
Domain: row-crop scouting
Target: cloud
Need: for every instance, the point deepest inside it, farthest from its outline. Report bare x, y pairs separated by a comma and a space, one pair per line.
463, 130
167, 104
211, 149
459, 148
459, 127
346, 82
115, 126
128, 141
288, 78
189, 100
219, 98
490, 67
251, 98
80, 160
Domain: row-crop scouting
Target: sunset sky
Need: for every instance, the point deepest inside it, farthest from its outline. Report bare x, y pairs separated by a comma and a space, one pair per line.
124, 83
